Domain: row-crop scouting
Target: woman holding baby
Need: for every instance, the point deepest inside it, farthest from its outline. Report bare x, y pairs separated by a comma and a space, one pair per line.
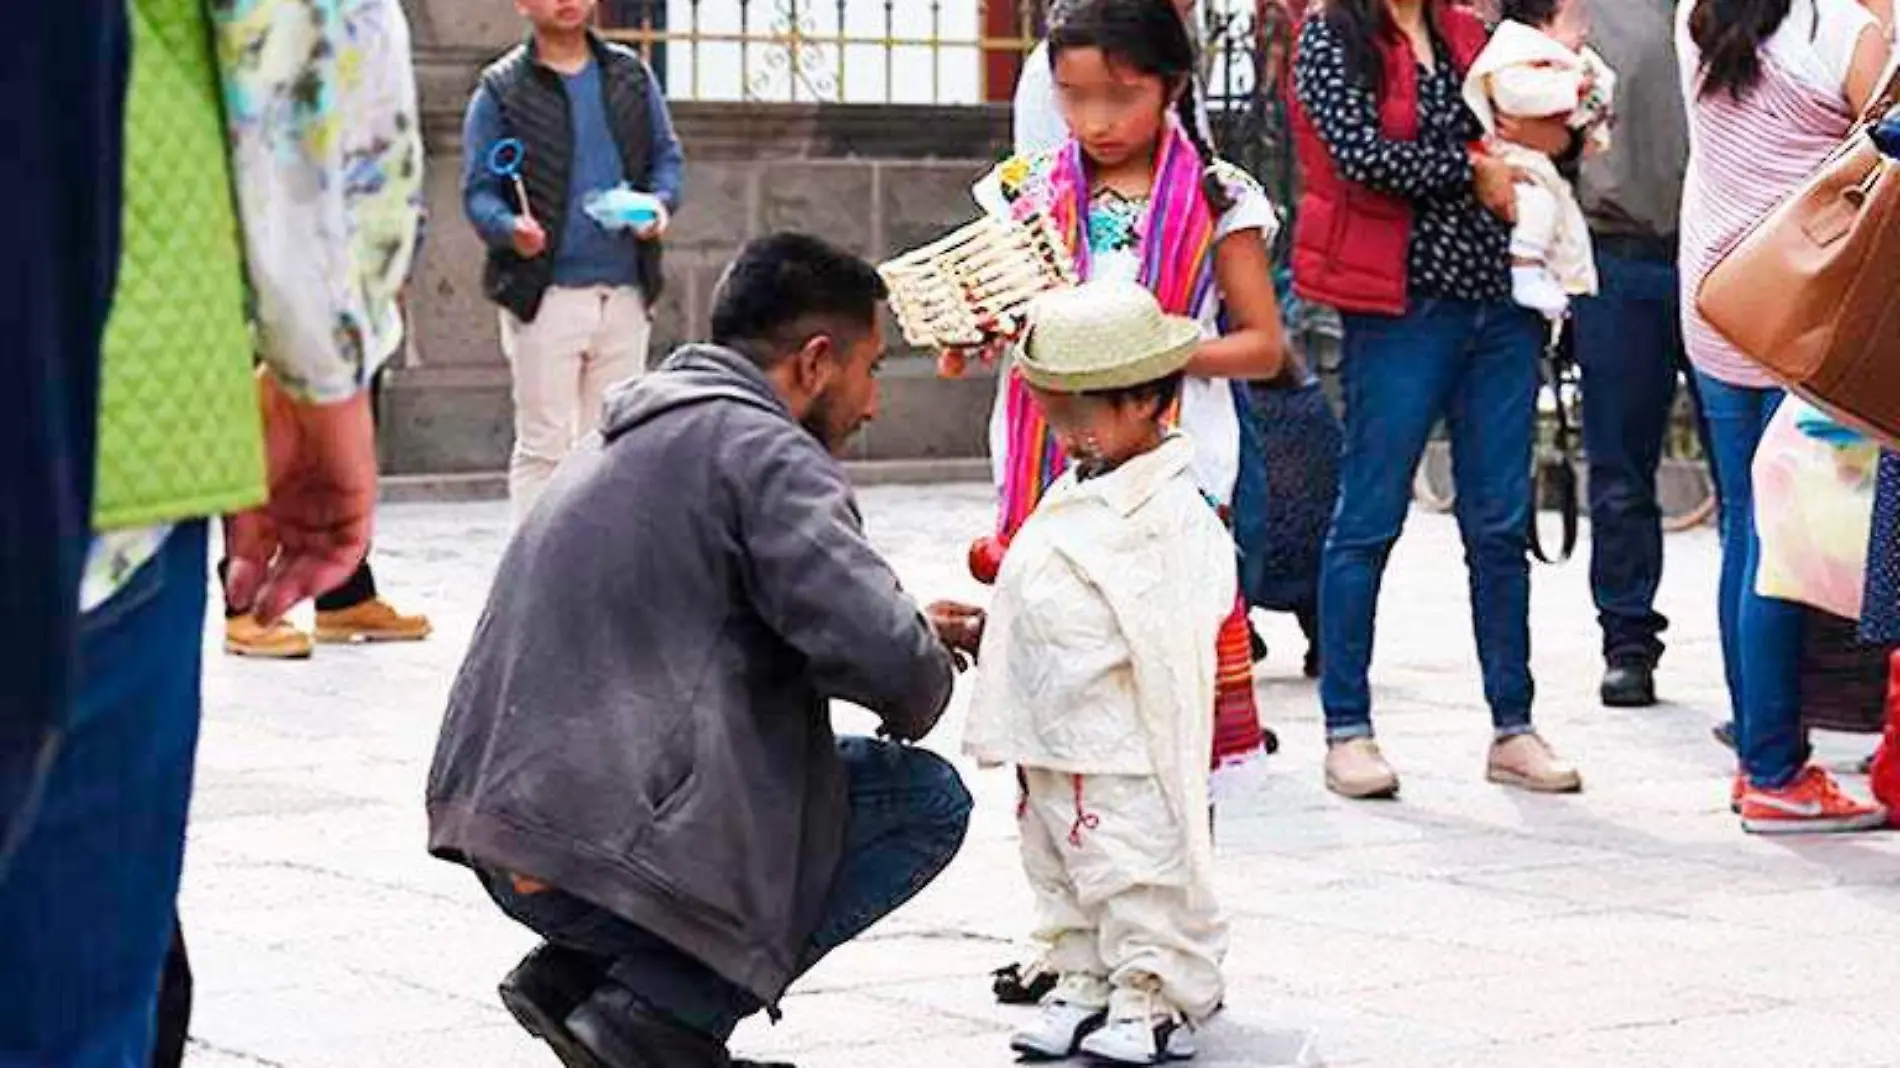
1406, 226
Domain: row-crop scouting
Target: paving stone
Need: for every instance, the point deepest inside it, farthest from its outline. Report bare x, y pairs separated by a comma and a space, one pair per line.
1556, 1002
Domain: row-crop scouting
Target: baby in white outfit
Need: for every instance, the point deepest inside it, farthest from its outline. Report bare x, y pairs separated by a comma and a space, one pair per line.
1536, 66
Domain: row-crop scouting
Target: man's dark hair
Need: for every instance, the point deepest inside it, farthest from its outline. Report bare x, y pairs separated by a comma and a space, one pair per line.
786, 279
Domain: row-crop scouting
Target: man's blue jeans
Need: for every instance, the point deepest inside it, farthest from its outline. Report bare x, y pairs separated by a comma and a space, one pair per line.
1475, 366
909, 811
1629, 345
1761, 637
86, 896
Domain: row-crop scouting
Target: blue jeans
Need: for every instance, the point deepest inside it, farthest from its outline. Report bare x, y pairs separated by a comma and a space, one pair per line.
86, 901
1629, 345
909, 811
1761, 637
1475, 366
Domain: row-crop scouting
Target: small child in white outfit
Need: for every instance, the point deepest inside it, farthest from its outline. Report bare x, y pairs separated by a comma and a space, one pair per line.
1098, 668
1536, 66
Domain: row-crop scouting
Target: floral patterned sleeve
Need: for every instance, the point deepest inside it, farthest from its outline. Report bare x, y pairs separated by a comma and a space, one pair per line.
320, 102
1346, 114
1000, 191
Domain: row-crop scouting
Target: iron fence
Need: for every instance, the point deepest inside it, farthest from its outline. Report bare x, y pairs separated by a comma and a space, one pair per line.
831, 51
911, 51
1246, 47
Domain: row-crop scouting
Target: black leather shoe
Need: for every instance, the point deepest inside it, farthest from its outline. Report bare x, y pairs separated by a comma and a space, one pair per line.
620, 1031
544, 988
1629, 684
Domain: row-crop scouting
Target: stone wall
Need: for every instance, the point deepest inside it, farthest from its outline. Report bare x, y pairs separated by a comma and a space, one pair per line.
874, 179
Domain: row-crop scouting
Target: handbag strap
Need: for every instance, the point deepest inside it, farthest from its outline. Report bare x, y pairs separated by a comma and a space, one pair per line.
1557, 473
1884, 98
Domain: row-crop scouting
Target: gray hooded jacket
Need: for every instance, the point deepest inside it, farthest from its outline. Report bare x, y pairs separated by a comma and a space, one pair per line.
642, 719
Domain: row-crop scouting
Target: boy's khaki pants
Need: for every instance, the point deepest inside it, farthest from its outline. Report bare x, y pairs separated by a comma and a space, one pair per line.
580, 344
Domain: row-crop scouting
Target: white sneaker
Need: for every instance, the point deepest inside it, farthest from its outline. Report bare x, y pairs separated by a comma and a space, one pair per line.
1063, 1023
1149, 1041
1141, 1029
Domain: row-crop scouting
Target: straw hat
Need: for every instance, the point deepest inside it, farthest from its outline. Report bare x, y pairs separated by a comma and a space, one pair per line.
1102, 335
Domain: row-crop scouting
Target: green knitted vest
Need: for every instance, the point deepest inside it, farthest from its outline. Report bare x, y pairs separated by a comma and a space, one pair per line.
179, 431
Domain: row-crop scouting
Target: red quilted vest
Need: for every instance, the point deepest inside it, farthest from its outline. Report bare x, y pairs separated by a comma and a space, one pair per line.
1349, 243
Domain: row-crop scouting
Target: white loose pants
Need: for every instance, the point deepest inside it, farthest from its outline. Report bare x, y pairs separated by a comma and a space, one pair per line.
582, 342
1115, 894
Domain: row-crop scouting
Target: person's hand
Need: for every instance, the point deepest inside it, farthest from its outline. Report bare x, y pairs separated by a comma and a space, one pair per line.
530, 240
656, 229
959, 627
953, 362
314, 530
1550, 135
1496, 183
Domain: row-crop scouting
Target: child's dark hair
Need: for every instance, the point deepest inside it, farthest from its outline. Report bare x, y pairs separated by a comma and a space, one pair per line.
1151, 37
1538, 13
1162, 391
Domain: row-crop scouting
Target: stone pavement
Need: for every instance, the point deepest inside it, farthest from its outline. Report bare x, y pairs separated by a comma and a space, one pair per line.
1631, 926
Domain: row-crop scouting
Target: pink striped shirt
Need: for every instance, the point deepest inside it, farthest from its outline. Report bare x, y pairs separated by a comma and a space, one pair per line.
1745, 157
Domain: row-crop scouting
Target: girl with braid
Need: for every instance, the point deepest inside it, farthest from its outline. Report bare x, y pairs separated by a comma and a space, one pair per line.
1142, 198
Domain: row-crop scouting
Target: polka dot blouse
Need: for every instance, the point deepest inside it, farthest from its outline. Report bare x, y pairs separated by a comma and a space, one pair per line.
1459, 250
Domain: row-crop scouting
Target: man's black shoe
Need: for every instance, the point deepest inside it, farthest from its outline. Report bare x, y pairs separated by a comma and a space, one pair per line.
544, 988
1725, 733
1629, 684
621, 1031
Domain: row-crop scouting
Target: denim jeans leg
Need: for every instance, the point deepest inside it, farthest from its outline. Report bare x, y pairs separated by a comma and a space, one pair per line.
1493, 423
1628, 340
1769, 734
1734, 418
86, 908
658, 974
1397, 373
909, 812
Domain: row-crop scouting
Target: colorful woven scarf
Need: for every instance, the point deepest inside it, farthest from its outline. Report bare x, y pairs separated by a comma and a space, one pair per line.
1177, 266
1176, 237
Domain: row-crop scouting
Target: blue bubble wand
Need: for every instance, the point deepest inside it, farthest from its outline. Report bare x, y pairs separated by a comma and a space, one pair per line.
504, 161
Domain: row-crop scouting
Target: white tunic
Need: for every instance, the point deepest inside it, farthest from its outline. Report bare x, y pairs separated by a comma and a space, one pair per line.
1099, 656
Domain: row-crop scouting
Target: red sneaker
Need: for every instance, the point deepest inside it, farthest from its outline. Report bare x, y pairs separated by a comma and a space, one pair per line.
1812, 804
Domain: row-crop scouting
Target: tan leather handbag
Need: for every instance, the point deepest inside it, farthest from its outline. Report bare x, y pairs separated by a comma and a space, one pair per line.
1812, 293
